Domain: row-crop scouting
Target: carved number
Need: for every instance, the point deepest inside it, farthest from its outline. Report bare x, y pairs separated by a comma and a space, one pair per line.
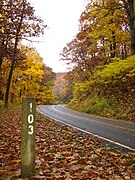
30, 121
30, 132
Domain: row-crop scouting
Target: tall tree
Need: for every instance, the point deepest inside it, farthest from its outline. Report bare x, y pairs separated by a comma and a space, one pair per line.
23, 23
27, 75
129, 6
104, 33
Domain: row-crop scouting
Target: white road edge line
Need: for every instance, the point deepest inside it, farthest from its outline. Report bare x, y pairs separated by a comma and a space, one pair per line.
87, 132
53, 107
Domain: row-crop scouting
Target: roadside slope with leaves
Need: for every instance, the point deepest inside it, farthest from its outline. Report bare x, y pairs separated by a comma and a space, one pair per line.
61, 152
109, 92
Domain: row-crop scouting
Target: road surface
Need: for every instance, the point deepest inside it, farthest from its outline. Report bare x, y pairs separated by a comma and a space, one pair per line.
115, 132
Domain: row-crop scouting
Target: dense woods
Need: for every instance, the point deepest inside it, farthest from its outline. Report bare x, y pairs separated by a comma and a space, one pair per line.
101, 82
102, 57
59, 84
22, 72
103, 54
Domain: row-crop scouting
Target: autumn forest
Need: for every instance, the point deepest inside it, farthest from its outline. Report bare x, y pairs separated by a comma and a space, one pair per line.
22, 71
102, 56
101, 81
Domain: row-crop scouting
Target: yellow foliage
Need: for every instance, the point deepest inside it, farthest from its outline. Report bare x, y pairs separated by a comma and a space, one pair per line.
28, 79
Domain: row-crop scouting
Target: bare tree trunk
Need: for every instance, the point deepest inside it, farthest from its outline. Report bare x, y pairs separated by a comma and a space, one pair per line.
11, 73
1, 59
113, 45
1, 53
13, 58
132, 25
129, 7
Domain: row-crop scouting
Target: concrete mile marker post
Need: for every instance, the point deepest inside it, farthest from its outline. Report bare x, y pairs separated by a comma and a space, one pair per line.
28, 137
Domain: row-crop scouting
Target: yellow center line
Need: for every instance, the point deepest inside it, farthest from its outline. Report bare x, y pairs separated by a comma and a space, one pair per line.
92, 120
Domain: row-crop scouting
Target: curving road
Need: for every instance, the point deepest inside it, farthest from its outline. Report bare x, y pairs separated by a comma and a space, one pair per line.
115, 132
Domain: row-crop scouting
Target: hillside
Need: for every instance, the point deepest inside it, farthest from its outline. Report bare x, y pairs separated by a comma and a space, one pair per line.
59, 83
109, 92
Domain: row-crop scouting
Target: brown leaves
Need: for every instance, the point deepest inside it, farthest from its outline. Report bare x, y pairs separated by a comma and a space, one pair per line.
10, 142
61, 153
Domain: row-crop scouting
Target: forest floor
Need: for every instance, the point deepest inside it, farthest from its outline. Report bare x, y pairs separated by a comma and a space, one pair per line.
61, 152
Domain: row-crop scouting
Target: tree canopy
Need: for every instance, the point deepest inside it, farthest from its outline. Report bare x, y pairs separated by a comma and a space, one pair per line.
101, 57
22, 70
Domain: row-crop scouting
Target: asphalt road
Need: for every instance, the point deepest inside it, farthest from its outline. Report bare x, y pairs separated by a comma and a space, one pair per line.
114, 132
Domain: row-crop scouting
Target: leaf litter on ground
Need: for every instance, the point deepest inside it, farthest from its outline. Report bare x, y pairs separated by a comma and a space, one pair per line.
61, 152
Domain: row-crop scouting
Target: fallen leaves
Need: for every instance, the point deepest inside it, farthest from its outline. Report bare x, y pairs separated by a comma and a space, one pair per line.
61, 153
